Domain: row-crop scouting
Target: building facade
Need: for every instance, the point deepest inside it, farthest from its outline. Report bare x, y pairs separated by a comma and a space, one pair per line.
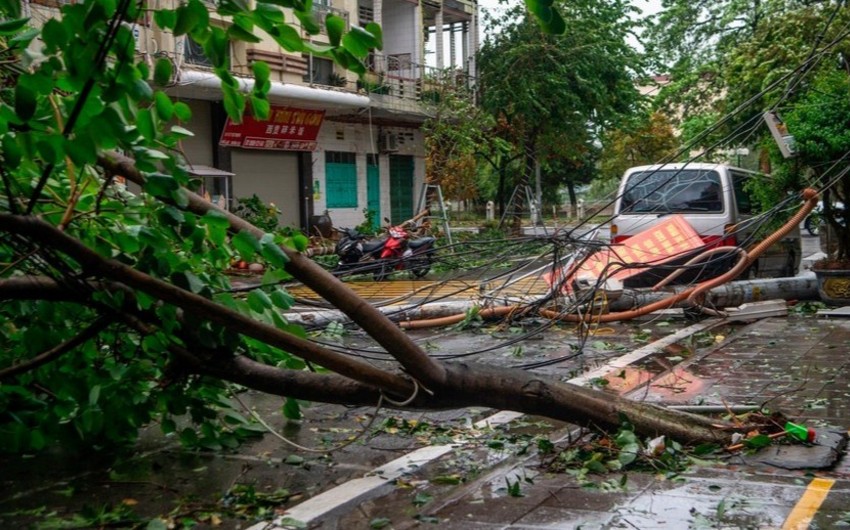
334, 143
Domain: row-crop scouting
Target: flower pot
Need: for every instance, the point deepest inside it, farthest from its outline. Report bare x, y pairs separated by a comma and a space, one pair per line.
834, 286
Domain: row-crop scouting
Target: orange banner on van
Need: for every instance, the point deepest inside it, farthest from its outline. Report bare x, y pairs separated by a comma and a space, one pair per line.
659, 244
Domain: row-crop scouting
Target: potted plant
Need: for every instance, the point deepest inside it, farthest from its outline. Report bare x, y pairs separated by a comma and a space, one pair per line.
820, 123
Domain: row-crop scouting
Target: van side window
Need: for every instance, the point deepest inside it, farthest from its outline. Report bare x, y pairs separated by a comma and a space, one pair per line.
743, 200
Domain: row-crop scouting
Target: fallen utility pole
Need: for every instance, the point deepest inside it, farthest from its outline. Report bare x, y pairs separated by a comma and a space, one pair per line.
732, 294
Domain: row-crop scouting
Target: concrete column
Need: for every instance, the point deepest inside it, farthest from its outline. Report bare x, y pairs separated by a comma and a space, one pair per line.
419, 34
452, 46
464, 44
438, 34
377, 16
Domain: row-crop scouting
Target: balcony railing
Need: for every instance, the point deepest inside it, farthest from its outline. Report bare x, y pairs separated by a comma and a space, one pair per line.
398, 76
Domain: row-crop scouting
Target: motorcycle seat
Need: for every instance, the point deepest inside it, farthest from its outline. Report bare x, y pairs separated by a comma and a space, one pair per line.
373, 245
419, 242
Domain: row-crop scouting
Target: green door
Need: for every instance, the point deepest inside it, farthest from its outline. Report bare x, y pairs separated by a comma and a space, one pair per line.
401, 187
373, 190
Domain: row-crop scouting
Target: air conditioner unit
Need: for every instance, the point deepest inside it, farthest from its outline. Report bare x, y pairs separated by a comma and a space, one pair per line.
389, 143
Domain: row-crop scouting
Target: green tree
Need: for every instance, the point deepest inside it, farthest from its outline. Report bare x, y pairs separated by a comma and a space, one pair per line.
454, 136
553, 94
645, 141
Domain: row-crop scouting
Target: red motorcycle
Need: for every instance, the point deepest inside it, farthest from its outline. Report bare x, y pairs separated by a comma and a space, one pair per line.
396, 251
401, 252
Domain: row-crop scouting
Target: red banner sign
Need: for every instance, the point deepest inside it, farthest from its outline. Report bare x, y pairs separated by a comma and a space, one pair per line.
287, 129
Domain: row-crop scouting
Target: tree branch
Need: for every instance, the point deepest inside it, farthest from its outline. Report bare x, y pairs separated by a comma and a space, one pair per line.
45, 357
93, 263
375, 323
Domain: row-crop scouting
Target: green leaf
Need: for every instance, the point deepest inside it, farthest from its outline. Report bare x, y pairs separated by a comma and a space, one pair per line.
548, 17
54, 34
259, 301
757, 442
262, 72
50, 148
282, 299
288, 38
308, 22
182, 111
164, 107
11, 151
10, 27
628, 453
375, 30
300, 242
379, 522
260, 108
356, 44
25, 101
187, 280
94, 395
188, 18
162, 71
245, 244
165, 18
82, 149
294, 460
161, 185
156, 524
234, 102
235, 32
217, 48
291, 409
11, 8
272, 252
336, 27
145, 124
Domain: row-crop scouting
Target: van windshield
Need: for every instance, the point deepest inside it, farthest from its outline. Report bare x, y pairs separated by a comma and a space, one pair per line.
673, 191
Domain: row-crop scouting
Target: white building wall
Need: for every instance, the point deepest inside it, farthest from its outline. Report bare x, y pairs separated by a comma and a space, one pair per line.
361, 140
199, 148
400, 28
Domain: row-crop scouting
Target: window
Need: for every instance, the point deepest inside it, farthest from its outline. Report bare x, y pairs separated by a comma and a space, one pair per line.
673, 191
340, 179
319, 71
743, 200
194, 53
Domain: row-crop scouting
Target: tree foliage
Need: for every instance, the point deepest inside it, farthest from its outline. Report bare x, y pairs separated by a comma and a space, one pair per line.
647, 141
454, 136
553, 93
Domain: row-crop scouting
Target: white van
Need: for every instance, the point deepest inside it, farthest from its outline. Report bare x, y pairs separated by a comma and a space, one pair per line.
713, 200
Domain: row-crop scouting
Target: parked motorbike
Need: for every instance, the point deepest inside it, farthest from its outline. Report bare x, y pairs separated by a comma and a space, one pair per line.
815, 219
394, 251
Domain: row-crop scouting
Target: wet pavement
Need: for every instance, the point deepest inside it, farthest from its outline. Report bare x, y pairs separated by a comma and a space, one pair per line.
485, 473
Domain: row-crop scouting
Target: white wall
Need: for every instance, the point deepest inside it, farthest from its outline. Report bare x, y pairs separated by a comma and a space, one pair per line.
362, 139
199, 148
400, 28
273, 176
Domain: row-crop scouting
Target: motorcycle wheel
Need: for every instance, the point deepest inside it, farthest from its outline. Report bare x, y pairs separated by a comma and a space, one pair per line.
812, 225
420, 267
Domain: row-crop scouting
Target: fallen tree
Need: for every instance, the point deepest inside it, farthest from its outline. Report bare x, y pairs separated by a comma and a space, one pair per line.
421, 382
116, 307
